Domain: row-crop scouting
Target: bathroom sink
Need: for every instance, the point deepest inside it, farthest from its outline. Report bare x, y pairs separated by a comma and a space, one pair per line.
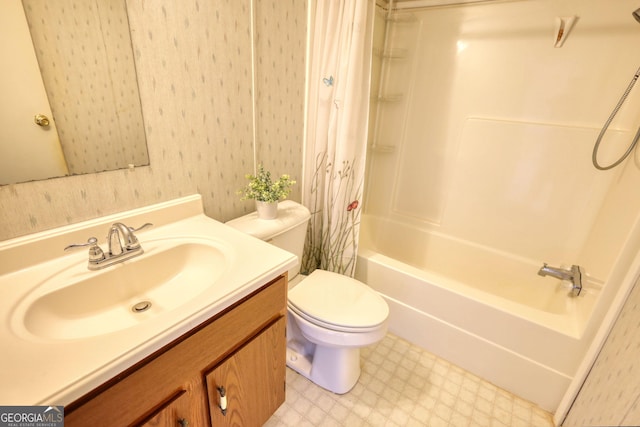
69, 329
78, 303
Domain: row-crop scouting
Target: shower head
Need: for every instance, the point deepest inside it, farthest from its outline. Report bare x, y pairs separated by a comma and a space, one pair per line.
636, 14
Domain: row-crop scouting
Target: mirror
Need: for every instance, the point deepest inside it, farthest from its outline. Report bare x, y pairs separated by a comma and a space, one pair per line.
93, 119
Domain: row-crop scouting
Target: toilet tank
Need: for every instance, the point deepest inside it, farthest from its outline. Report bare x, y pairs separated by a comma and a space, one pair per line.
288, 231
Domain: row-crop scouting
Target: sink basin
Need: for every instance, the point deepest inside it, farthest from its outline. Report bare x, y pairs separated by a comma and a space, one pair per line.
77, 303
69, 329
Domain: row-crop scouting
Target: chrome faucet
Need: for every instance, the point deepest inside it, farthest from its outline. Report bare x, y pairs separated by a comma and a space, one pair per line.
574, 276
121, 239
122, 245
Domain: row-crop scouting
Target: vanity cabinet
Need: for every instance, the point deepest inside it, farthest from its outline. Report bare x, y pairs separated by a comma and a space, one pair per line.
241, 350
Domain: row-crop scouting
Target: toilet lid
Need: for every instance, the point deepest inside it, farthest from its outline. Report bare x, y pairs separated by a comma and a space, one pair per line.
336, 300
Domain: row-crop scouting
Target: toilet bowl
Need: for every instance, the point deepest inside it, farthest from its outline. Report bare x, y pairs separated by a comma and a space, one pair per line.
330, 316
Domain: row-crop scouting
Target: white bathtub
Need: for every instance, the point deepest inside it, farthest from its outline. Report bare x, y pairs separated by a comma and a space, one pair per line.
485, 311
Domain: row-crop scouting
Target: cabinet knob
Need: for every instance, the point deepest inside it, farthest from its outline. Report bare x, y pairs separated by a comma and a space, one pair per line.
223, 400
182, 422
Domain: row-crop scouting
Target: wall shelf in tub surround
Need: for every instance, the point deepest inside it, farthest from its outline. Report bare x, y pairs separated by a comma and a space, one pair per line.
44, 367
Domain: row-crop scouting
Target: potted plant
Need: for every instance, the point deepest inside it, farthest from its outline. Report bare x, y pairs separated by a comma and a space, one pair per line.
266, 192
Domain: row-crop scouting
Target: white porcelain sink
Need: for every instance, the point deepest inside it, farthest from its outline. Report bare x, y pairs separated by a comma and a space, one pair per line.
79, 303
66, 329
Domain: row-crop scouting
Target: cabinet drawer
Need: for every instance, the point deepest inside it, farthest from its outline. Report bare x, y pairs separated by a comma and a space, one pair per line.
140, 392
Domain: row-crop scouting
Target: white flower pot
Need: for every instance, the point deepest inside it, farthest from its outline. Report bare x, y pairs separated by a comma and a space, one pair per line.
267, 210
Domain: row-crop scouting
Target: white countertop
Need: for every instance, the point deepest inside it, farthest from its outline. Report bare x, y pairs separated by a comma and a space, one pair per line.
42, 371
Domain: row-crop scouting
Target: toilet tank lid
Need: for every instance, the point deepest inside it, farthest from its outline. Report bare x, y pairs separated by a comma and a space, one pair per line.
290, 215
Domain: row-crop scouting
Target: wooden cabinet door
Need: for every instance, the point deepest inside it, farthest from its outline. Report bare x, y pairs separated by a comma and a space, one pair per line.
254, 385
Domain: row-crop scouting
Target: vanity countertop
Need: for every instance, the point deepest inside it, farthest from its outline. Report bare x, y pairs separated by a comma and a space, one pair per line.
40, 370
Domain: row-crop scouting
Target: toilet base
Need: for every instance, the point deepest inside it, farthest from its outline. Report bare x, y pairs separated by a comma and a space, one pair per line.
332, 368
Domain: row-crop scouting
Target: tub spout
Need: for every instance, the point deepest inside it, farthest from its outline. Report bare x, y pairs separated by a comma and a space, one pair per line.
574, 276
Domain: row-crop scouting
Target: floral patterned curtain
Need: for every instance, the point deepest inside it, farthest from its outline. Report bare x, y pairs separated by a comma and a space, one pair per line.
336, 134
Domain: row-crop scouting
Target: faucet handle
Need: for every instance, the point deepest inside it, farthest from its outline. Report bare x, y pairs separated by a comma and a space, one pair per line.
95, 252
148, 224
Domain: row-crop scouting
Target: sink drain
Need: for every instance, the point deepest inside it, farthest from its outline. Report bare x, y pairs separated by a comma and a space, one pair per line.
141, 306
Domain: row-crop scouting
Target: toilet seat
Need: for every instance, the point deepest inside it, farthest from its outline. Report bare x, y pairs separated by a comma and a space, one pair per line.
338, 302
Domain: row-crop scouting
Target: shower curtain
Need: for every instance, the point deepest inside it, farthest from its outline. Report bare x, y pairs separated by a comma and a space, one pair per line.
336, 134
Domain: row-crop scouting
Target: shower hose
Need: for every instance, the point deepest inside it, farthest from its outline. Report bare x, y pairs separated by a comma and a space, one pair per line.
594, 156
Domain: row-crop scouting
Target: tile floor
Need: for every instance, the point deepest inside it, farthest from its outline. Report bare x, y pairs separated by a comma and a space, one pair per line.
403, 385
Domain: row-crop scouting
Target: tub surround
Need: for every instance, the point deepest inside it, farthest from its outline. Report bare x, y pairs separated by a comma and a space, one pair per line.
481, 149
46, 371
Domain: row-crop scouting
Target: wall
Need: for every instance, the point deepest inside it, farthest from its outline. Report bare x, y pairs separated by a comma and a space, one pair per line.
611, 392
280, 57
487, 133
193, 60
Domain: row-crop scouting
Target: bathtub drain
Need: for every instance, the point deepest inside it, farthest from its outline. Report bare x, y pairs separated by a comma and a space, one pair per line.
141, 306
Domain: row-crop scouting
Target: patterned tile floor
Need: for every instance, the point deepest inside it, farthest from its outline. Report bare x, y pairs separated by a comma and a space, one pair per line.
403, 385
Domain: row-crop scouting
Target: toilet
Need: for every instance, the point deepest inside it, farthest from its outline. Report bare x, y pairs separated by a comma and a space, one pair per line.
330, 316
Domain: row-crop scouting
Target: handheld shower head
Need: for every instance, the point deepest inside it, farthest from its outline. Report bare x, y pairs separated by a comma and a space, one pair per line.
636, 14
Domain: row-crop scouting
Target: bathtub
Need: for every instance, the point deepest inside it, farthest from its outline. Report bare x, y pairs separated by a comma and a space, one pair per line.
483, 310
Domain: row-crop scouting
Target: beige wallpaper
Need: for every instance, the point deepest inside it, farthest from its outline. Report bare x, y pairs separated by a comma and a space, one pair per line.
281, 80
194, 64
611, 394
85, 57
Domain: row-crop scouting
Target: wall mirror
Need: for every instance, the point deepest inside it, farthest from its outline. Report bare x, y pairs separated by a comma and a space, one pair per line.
75, 105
